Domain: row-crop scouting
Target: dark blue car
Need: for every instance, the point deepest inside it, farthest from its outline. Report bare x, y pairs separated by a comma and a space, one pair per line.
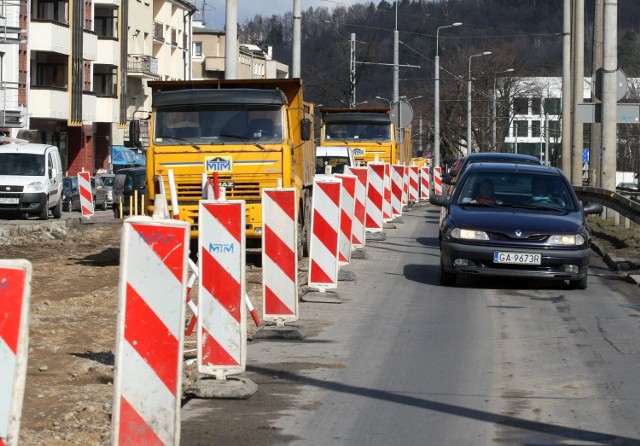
516, 220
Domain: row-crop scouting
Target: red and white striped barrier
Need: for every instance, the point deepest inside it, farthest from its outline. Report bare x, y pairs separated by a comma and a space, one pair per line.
387, 208
222, 325
175, 211
86, 194
150, 333
325, 224
15, 292
347, 207
424, 183
358, 231
414, 183
405, 186
437, 180
397, 187
279, 255
374, 221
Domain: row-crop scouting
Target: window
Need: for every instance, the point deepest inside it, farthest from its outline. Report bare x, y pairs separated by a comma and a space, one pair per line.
521, 128
521, 106
554, 129
552, 106
536, 106
535, 128
197, 49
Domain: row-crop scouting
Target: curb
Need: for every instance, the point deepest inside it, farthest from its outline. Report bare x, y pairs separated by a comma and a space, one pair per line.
616, 264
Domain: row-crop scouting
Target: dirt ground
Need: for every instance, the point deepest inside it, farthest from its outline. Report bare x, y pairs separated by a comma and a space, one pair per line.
69, 385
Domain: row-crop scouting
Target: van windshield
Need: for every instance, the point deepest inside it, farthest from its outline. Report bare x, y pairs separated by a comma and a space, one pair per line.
23, 164
337, 163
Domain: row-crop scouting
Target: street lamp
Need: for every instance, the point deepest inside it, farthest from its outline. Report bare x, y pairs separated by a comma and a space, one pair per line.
469, 145
384, 99
493, 110
436, 100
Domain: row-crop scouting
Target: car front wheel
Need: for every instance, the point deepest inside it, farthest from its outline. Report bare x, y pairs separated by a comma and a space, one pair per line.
579, 284
447, 278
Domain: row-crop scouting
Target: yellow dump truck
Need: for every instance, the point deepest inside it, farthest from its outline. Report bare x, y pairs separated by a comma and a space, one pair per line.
253, 133
368, 132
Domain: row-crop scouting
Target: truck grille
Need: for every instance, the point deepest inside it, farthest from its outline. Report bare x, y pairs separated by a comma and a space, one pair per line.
249, 191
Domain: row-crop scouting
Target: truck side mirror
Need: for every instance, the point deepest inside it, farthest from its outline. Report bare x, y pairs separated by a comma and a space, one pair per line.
305, 129
134, 133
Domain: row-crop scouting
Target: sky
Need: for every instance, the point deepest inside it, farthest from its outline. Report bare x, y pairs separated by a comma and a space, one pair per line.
215, 9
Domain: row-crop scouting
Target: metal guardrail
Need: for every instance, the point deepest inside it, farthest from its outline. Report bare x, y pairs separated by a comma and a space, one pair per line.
627, 205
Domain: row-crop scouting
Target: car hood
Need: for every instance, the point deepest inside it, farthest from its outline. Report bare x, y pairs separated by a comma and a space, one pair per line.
508, 220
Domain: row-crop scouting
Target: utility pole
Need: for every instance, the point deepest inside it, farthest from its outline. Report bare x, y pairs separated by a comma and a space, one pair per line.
609, 99
566, 88
595, 146
297, 19
578, 92
352, 72
396, 61
231, 40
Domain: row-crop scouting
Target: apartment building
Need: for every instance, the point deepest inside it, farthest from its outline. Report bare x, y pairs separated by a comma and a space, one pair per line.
208, 56
13, 67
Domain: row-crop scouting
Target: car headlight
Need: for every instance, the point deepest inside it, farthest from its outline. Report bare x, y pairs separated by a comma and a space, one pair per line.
567, 240
34, 187
468, 234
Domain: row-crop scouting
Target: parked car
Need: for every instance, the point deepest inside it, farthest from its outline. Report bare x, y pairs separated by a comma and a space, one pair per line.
129, 186
528, 223
487, 157
107, 179
70, 194
627, 187
99, 191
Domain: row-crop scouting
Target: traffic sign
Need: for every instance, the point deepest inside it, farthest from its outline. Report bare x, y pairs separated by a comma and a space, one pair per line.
401, 113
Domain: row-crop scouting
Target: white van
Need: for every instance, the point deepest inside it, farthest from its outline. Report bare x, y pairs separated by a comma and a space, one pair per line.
335, 156
30, 180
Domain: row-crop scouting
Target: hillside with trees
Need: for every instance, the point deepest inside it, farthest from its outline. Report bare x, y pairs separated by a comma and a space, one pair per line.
525, 35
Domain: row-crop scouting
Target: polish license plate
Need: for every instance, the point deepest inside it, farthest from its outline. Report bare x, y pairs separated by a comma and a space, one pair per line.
9, 200
517, 258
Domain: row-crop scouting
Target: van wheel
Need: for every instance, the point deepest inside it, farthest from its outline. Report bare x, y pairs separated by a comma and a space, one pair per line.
104, 205
44, 214
57, 210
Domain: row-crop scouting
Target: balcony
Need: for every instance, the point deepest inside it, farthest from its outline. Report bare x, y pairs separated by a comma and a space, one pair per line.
108, 52
143, 66
90, 46
107, 109
11, 113
107, 2
214, 63
51, 104
53, 37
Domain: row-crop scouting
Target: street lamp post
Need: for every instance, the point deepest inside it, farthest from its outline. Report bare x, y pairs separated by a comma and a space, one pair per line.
493, 110
469, 145
436, 100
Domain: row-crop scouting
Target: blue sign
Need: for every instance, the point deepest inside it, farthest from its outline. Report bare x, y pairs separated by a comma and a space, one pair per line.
585, 155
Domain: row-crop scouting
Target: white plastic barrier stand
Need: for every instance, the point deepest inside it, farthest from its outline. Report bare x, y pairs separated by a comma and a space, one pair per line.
437, 180
279, 255
86, 194
325, 224
150, 332
397, 188
15, 293
387, 209
358, 232
375, 198
222, 319
414, 183
347, 207
424, 183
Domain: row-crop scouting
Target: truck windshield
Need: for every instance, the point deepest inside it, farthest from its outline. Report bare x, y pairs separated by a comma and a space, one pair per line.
352, 131
22, 164
218, 124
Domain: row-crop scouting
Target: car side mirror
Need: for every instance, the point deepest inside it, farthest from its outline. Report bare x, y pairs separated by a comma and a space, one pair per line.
305, 129
448, 179
438, 200
593, 208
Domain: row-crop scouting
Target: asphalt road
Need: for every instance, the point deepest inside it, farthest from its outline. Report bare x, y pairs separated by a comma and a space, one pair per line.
404, 361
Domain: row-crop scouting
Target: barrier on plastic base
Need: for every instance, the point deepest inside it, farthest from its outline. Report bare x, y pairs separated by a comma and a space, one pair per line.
279, 255
397, 189
414, 183
347, 207
15, 293
150, 332
358, 237
424, 183
375, 198
437, 180
86, 194
387, 208
405, 186
325, 224
222, 326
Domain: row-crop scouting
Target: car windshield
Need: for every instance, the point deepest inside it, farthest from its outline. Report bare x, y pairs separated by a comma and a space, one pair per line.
218, 124
108, 181
23, 164
516, 189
